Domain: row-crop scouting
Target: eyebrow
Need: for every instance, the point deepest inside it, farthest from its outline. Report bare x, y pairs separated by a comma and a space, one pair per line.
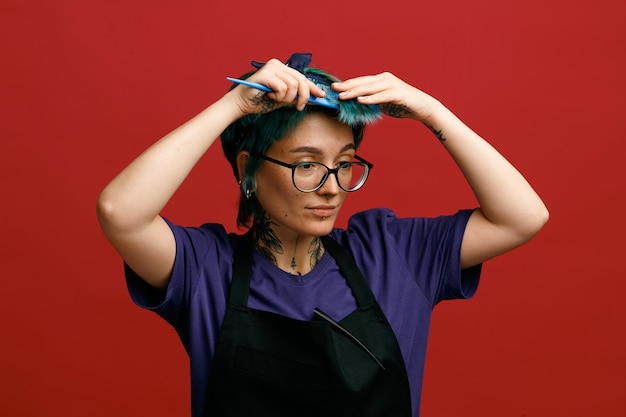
318, 151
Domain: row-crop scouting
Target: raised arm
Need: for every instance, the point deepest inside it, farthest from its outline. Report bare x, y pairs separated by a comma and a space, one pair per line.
510, 212
128, 208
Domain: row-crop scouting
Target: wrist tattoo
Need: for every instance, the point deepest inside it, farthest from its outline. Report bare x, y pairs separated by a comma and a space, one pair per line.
396, 110
266, 103
437, 133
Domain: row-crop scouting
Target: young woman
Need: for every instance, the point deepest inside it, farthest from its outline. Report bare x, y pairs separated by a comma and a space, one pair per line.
296, 317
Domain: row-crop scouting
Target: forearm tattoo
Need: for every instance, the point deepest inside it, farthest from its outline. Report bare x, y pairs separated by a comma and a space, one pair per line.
396, 110
438, 133
266, 103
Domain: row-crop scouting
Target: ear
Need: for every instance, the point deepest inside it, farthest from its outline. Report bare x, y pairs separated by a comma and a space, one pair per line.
242, 162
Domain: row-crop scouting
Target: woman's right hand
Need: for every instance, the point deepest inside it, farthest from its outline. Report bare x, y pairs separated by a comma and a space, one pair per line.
129, 206
289, 86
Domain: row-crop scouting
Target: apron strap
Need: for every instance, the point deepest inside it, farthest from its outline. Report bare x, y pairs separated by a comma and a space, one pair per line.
350, 270
242, 269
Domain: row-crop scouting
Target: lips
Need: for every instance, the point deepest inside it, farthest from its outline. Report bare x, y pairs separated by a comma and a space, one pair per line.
323, 211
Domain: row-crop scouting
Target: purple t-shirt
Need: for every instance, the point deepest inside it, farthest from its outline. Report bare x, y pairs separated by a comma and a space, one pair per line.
410, 264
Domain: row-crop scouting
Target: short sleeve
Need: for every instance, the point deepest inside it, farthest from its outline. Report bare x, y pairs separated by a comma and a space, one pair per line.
432, 247
426, 249
199, 257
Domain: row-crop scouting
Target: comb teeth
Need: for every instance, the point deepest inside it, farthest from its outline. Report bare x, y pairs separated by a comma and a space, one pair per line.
331, 95
350, 112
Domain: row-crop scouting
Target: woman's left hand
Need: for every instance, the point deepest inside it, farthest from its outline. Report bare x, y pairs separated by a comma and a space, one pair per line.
395, 97
510, 212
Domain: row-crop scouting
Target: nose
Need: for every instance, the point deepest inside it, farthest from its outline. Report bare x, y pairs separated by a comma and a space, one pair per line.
330, 186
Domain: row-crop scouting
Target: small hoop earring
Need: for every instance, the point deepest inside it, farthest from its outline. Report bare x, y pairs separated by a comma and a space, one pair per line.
245, 190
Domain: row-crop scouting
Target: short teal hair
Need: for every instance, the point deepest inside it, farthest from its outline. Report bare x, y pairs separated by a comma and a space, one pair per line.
256, 133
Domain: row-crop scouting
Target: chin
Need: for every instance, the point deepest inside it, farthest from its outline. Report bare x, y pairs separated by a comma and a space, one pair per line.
313, 226
324, 227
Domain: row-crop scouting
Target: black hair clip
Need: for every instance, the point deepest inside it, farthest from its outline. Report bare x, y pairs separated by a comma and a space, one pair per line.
346, 333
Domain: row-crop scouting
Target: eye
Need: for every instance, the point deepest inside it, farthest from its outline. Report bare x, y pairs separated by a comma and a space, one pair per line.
307, 168
344, 165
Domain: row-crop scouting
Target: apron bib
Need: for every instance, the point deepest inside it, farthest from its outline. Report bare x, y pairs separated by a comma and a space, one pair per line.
268, 365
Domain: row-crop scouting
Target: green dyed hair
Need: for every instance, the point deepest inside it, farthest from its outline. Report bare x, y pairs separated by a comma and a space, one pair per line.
258, 132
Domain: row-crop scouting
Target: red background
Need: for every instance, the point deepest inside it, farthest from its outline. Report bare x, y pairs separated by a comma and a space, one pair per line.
87, 85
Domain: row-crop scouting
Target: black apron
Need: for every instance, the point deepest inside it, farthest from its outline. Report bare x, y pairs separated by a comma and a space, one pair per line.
268, 365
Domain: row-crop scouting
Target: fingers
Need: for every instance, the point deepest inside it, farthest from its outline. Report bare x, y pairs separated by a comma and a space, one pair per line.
288, 85
371, 89
395, 97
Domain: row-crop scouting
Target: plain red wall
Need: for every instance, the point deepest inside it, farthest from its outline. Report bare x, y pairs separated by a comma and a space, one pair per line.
87, 85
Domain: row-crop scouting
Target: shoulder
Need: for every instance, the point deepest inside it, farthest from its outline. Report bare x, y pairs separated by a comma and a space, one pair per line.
369, 220
203, 250
208, 236
381, 230
382, 220
368, 230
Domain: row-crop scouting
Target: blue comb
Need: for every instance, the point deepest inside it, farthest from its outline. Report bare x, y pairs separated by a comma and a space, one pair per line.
331, 100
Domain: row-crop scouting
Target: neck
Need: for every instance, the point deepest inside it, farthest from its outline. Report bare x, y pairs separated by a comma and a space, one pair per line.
297, 255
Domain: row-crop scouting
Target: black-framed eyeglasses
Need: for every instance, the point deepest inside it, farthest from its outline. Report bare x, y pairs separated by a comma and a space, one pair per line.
311, 176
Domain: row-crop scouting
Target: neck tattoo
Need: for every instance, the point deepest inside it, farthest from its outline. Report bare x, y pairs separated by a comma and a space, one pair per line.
293, 258
268, 244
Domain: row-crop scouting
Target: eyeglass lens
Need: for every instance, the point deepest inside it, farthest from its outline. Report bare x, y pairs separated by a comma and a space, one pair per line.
309, 176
